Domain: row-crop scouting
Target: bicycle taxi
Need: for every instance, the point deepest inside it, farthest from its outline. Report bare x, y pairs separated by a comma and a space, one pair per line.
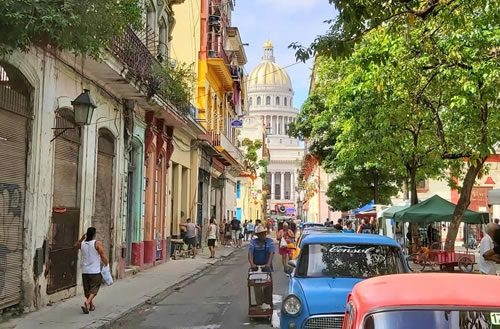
439, 210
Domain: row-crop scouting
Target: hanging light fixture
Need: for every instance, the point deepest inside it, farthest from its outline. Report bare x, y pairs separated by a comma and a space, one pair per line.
84, 107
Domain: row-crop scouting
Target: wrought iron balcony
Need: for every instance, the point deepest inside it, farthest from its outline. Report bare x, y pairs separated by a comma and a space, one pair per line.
217, 51
130, 49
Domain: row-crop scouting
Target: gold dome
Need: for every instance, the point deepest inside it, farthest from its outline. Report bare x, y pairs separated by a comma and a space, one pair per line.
269, 73
268, 44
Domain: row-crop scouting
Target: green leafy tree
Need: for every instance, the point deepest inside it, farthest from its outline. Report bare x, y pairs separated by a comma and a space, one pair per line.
251, 158
176, 83
82, 26
353, 187
356, 18
437, 66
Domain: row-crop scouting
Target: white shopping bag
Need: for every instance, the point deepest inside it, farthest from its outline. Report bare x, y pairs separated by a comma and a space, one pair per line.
106, 275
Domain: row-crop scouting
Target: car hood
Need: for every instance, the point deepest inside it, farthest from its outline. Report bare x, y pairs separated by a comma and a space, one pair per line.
327, 295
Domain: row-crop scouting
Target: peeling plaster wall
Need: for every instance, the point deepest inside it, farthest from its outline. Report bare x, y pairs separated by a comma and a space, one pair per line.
54, 82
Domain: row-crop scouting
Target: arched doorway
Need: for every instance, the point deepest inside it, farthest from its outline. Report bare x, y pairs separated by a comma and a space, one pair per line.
16, 110
103, 211
65, 221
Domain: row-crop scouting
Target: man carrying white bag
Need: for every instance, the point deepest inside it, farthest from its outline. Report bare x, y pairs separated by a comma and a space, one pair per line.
92, 276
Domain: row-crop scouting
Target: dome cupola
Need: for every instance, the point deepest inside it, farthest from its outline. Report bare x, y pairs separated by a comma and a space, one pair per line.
268, 74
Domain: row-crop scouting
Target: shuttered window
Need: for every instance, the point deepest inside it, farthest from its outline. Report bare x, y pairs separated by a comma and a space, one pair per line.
12, 195
15, 116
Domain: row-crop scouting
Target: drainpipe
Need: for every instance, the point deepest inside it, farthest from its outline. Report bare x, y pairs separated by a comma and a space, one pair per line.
319, 195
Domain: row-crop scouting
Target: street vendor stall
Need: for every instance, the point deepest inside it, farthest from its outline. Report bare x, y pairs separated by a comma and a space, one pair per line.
388, 222
437, 209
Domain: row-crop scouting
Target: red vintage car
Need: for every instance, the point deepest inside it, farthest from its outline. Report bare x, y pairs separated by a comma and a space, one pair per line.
425, 301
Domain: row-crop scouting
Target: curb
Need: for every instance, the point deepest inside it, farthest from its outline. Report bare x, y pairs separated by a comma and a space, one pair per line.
113, 318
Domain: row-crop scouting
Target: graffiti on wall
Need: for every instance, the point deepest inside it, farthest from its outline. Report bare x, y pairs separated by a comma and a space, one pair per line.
11, 210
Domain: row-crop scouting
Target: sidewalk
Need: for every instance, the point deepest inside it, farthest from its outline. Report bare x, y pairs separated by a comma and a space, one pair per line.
123, 297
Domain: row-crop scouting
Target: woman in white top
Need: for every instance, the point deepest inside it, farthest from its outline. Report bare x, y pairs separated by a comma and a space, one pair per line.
92, 256
212, 237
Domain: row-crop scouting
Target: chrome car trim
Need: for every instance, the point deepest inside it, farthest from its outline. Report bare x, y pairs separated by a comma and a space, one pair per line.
325, 325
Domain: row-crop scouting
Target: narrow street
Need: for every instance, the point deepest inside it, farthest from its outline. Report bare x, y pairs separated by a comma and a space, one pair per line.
219, 299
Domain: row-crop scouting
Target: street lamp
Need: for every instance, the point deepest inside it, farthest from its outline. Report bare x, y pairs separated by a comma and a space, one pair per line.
84, 107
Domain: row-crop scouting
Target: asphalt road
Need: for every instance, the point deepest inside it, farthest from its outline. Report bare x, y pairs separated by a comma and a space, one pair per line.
219, 299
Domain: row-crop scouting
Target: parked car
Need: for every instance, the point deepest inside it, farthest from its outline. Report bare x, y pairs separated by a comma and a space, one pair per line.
430, 301
310, 224
329, 265
308, 231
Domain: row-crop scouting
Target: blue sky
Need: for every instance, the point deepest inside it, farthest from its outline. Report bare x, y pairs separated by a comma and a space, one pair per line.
283, 22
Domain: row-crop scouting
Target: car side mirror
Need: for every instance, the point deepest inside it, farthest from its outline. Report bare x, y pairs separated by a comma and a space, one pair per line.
292, 263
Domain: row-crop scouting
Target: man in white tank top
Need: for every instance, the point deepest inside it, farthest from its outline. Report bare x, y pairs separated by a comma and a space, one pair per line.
92, 256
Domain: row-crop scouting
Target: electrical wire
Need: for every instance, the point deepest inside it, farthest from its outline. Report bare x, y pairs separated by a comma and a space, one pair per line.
268, 73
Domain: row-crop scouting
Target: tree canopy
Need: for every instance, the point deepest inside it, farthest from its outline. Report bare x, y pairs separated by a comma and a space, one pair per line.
407, 86
81, 26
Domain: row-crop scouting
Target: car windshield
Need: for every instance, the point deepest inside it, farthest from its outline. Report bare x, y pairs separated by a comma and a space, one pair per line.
349, 260
434, 319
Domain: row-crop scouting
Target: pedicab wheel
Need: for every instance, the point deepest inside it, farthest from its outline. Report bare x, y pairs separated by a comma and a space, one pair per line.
413, 262
465, 265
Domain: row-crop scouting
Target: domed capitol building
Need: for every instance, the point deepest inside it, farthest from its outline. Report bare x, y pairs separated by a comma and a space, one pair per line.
270, 98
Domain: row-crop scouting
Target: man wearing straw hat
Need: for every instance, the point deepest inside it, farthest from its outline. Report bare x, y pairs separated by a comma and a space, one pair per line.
260, 253
261, 250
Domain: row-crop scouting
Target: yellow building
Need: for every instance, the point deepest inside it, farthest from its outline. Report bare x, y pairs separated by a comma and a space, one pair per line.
219, 98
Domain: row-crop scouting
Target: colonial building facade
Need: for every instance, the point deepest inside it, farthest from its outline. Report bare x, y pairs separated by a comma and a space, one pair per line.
270, 98
135, 170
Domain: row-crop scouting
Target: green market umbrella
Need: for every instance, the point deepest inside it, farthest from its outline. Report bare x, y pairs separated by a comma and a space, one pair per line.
389, 213
437, 209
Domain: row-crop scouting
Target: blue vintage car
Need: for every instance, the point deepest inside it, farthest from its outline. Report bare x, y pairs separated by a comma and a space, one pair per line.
328, 267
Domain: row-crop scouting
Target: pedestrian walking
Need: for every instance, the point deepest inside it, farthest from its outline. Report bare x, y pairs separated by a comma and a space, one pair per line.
339, 226
261, 250
364, 227
285, 236
373, 224
191, 234
211, 237
245, 225
348, 228
494, 254
487, 264
250, 230
227, 234
270, 225
92, 256
235, 232
222, 228
293, 227
260, 253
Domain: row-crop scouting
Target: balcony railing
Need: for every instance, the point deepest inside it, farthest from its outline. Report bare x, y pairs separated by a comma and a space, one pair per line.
216, 51
130, 49
140, 62
229, 146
